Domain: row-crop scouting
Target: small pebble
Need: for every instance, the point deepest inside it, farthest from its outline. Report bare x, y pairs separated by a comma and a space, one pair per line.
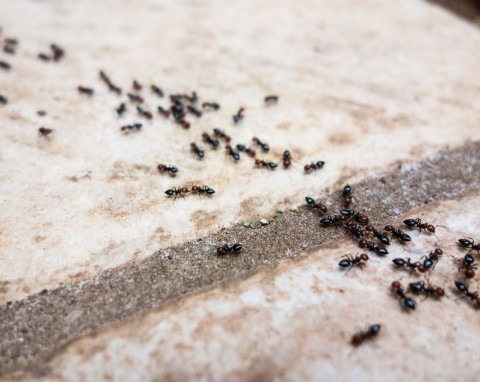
294, 209
264, 221
247, 224
280, 210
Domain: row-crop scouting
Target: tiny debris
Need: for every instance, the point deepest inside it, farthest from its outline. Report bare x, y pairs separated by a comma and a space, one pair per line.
294, 209
264, 221
280, 210
247, 224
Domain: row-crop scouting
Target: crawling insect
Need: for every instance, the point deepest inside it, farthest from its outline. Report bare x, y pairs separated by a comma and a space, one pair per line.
248, 150
270, 100
314, 166
397, 233
405, 301
203, 190
211, 141
468, 266
171, 170
350, 261
466, 243
197, 151
45, 132
175, 192
428, 290
378, 249
239, 116
417, 223
231, 152
473, 296
406, 263
265, 147
131, 128
322, 208
262, 163
210, 106
368, 334
226, 248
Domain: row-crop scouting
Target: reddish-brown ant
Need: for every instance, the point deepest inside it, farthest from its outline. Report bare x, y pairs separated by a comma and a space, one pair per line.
350, 261
428, 290
45, 132
212, 142
84, 90
314, 166
417, 223
197, 113
109, 83
131, 128
136, 85
171, 170
196, 150
382, 238
121, 109
203, 190
175, 192
468, 266
237, 117
463, 288
405, 301
157, 90
144, 113
226, 248
3, 100
184, 124
5, 65
378, 249
322, 208
431, 259
219, 133
271, 99
58, 52
261, 163
287, 159
265, 147
368, 334
163, 112
466, 243
135, 98
397, 233
248, 150
210, 106
231, 152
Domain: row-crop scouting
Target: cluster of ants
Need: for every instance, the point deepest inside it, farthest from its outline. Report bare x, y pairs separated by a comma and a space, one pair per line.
358, 226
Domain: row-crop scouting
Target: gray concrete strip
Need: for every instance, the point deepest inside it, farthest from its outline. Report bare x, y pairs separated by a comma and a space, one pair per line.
35, 328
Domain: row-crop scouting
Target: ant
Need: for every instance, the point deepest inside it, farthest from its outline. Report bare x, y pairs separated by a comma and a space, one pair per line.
407, 263
178, 111
407, 302
469, 244
237, 117
382, 238
144, 113
287, 159
350, 261
232, 153
135, 98
354, 229
157, 90
136, 86
109, 83
131, 128
261, 163
219, 133
203, 190
177, 192
250, 152
172, 170
431, 259
184, 124
357, 216
208, 139
11, 41
378, 249
265, 147
197, 113
347, 195
5, 65
468, 265
58, 52
210, 106
121, 109
196, 150
371, 332
412, 223
45, 132
41, 56
3, 100
419, 287
332, 220
115, 89
84, 90
399, 234
10, 49
163, 112
463, 288
271, 99
314, 166
226, 248
319, 206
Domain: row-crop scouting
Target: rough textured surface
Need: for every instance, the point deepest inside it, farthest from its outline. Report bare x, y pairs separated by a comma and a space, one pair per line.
372, 87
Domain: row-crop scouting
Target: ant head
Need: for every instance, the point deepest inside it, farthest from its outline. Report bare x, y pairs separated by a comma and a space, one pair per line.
364, 256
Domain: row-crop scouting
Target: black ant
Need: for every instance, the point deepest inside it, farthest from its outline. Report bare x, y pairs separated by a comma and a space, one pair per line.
58, 52
314, 166
231, 152
347, 195
378, 249
210, 106
412, 223
121, 109
208, 139
407, 302
468, 266
144, 113
135, 98
197, 113
265, 147
371, 332
431, 259
332, 220
84, 90
226, 248
109, 83
271, 99
5, 65
3, 100
172, 170
115, 89
287, 159
354, 229
262, 163
248, 150
219, 133
350, 261
157, 90
382, 238
399, 234
196, 150
163, 112
237, 117
463, 288
131, 128
319, 206
469, 244
203, 190
357, 216
180, 191
419, 287
136, 85
406, 263
45, 132
178, 111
